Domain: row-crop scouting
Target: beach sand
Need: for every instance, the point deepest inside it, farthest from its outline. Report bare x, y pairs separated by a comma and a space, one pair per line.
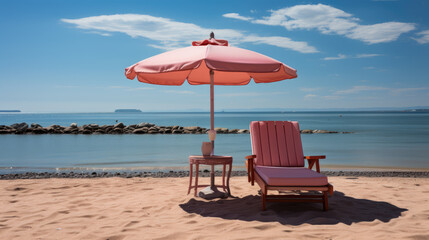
158, 208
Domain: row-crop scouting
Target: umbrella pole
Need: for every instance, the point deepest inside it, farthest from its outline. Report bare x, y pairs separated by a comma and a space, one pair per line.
212, 106
212, 184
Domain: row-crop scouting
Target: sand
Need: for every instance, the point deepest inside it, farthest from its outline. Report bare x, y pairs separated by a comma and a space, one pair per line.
158, 208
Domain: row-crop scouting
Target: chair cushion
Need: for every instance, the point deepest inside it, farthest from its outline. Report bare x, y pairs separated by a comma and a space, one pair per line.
291, 176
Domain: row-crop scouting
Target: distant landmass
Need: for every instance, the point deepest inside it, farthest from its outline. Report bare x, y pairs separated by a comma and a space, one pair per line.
10, 110
128, 111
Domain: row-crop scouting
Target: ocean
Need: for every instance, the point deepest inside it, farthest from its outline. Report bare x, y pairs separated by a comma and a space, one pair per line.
379, 139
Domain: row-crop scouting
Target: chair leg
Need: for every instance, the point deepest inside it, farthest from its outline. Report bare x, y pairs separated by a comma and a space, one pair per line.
264, 193
325, 201
190, 178
197, 168
264, 199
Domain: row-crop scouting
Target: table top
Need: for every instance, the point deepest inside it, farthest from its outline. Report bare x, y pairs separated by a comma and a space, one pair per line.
215, 159
209, 157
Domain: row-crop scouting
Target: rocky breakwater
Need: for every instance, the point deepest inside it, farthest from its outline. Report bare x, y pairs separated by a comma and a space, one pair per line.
119, 128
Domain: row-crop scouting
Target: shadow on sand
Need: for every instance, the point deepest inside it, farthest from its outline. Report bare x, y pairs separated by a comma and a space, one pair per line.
342, 209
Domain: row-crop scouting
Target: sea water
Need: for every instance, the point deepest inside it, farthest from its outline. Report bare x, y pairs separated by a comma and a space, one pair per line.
384, 139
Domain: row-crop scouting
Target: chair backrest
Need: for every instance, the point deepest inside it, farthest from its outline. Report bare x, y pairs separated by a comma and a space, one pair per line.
277, 143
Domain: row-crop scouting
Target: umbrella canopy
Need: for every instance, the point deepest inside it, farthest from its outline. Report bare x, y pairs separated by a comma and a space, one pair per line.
231, 66
213, 62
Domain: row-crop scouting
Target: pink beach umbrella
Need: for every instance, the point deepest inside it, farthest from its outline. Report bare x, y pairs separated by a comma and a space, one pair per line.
213, 62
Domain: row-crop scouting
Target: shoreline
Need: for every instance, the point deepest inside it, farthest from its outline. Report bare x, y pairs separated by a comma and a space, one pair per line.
202, 173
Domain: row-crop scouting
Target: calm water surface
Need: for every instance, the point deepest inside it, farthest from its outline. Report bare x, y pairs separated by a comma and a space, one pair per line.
391, 139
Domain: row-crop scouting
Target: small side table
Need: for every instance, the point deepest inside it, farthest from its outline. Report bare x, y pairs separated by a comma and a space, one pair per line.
212, 161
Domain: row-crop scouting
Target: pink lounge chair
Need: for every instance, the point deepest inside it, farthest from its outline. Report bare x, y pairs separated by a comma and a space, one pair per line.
277, 163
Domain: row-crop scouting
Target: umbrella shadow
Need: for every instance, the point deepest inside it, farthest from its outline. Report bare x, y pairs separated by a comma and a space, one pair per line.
342, 209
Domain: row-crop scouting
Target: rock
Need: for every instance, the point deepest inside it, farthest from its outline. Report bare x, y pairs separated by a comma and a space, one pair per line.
35, 125
70, 130
192, 129
129, 128
140, 131
73, 125
55, 129
20, 126
243, 131
323, 131
86, 131
307, 131
153, 131
233, 131
7, 131
177, 131
119, 125
39, 130
221, 130
144, 124
116, 131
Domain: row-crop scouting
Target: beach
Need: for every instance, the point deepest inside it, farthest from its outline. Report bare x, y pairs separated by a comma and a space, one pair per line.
159, 208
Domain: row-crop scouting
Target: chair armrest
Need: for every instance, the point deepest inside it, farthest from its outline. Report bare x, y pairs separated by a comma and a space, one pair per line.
315, 157
314, 160
250, 170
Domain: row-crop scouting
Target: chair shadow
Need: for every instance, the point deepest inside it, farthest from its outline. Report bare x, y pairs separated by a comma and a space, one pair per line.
342, 209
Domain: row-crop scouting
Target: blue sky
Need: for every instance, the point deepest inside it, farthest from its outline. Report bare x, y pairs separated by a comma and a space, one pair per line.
70, 56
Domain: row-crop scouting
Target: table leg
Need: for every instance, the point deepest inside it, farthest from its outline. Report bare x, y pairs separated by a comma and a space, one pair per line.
227, 180
223, 177
190, 177
196, 178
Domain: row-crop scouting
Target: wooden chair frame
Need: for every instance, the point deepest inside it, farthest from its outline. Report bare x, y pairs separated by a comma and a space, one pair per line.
253, 176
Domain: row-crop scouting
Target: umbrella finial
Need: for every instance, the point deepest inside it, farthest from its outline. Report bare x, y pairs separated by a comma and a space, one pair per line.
212, 35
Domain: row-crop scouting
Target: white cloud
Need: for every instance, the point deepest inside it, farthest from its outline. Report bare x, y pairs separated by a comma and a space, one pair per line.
401, 90
169, 34
330, 20
282, 42
358, 89
340, 56
424, 37
236, 16
379, 33
310, 96
367, 55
